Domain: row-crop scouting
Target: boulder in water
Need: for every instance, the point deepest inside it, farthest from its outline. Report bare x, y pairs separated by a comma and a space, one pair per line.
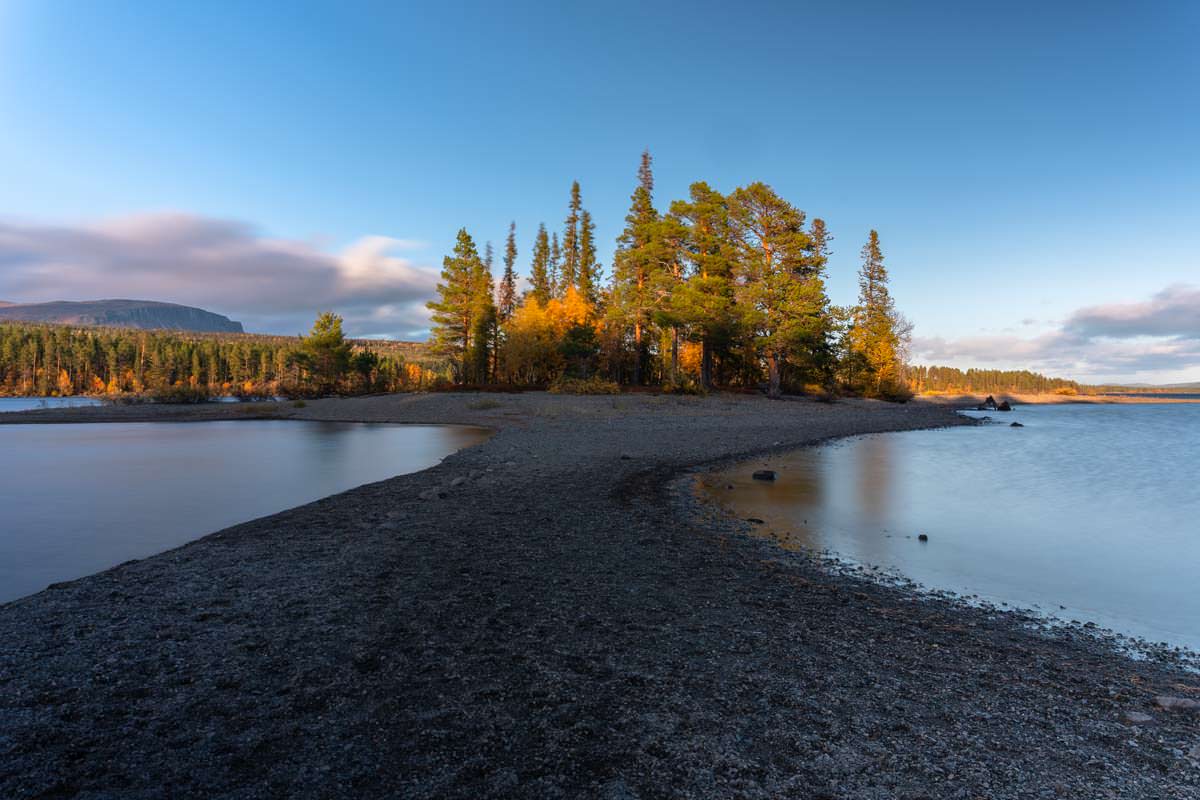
1004, 406
1016, 425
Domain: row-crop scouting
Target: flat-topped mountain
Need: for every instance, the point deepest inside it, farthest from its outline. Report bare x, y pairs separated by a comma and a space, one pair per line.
147, 314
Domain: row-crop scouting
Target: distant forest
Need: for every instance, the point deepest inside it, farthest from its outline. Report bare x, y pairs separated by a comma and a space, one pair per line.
58, 360
987, 381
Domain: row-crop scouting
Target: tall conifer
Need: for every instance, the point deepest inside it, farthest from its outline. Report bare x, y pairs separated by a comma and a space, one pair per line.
706, 300
506, 300
453, 310
635, 262
878, 331
539, 270
483, 315
570, 241
589, 277
781, 295
557, 285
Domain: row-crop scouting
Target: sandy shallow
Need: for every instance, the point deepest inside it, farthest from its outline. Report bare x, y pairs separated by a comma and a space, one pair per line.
552, 614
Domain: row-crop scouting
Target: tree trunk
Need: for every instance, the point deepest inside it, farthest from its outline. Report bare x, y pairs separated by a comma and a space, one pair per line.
773, 387
705, 364
637, 354
675, 354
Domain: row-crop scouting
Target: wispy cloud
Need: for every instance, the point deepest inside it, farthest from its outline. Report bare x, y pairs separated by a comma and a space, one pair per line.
1154, 339
1175, 311
271, 285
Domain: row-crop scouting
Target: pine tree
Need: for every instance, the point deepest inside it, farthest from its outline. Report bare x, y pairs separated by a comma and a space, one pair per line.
821, 237
877, 331
781, 295
484, 318
454, 309
570, 241
539, 271
635, 263
589, 271
706, 300
325, 352
506, 300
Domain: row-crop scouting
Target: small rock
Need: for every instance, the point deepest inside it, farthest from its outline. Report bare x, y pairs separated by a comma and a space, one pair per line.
755, 520
626, 457
924, 537
1136, 718
764, 475
1016, 425
428, 494
1194, 753
1169, 703
459, 481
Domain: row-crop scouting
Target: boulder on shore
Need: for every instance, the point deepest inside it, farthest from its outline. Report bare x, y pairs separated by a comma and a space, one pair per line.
1169, 703
764, 475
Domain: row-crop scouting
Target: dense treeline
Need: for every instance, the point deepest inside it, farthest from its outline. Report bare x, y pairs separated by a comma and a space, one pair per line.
57, 360
717, 290
986, 381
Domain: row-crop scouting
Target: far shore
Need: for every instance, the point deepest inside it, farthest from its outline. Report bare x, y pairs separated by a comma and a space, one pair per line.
1053, 399
553, 613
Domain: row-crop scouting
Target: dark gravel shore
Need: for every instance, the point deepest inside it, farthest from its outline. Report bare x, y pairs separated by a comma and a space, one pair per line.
550, 614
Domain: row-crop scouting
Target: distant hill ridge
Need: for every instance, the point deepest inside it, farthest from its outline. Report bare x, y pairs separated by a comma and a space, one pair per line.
143, 314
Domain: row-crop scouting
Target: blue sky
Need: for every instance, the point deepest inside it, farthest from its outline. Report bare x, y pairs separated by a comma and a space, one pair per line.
1027, 165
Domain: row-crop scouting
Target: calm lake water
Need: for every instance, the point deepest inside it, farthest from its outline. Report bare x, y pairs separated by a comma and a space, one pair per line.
1092, 508
76, 499
27, 403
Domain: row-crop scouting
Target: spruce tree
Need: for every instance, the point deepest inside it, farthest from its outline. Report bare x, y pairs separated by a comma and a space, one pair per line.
570, 241
877, 331
635, 263
454, 308
557, 286
507, 296
589, 270
539, 270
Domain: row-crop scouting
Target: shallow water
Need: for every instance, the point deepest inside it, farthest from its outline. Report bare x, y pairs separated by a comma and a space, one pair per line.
1089, 512
27, 403
79, 498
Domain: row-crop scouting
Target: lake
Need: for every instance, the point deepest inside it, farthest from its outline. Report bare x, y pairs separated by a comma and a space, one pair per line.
1089, 512
79, 498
